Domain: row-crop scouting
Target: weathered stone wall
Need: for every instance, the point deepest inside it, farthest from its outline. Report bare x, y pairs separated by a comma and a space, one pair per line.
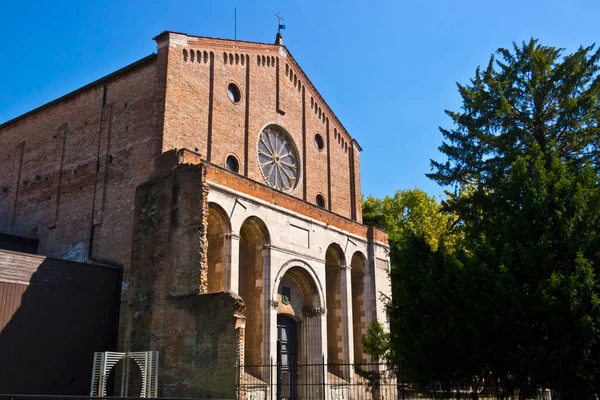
200, 353
194, 332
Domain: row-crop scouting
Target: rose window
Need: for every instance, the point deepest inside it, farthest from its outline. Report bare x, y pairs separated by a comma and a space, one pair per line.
278, 158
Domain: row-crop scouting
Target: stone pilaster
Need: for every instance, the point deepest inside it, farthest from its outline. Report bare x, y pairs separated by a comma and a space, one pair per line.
346, 295
266, 295
234, 269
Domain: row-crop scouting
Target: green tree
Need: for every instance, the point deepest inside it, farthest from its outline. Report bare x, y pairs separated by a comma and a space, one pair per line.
525, 145
433, 293
410, 212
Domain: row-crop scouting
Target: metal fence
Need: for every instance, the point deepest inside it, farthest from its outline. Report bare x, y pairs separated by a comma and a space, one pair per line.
358, 382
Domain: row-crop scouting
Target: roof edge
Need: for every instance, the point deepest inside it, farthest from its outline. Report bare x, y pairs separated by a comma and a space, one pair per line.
289, 53
164, 33
146, 60
317, 93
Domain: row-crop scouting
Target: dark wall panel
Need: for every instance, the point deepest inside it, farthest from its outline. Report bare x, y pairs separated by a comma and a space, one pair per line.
54, 315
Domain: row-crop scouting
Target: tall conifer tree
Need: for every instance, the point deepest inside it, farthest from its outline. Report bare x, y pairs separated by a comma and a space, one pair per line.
523, 160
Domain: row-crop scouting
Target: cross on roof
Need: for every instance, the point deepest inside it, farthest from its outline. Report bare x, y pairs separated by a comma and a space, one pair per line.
279, 25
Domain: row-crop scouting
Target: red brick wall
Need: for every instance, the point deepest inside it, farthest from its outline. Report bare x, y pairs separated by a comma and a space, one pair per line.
76, 155
358, 190
199, 115
166, 310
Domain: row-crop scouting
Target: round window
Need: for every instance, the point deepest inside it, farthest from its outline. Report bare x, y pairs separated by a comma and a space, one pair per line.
319, 141
278, 158
232, 163
234, 93
320, 200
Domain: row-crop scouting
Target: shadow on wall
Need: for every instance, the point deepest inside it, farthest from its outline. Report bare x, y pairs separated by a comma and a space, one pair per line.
54, 315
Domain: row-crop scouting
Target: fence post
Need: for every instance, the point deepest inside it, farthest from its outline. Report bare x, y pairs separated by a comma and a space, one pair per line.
239, 380
323, 369
402, 378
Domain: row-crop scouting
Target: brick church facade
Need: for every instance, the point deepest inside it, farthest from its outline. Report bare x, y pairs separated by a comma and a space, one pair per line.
217, 177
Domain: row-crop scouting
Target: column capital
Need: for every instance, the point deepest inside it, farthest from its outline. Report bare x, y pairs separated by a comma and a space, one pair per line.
313, 311
274, 304
345, 267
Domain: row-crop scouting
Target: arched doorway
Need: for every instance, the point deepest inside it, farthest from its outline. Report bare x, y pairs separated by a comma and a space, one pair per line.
299, 335
219, 249
254, 264
287, 357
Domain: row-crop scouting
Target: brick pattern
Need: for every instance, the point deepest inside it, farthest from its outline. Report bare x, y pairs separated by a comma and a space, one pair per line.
139, 140
72, 167
334, 292
167, 308
359, 297
200, 116
76, 164
253, 244
218, 244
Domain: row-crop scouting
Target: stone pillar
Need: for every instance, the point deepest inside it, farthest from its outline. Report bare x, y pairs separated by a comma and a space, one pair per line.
312, 334
370, 302
234, 266
346, 295
227, 262
266, 297
240, 330
312, 352
272, 361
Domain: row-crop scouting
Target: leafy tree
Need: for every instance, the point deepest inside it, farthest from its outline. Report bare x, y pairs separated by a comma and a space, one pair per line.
410, 211
502, 281
431, 294
525, 148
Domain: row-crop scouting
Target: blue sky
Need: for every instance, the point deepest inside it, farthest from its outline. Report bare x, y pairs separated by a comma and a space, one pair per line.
387, 68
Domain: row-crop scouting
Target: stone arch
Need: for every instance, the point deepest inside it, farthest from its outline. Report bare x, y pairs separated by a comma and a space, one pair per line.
219, 249
360, 321
308, 271
253, 278
335, 264
298, 296
309, 299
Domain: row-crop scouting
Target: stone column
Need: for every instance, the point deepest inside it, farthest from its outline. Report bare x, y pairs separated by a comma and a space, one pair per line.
272, 361
234, 268
370, 301
346, 295
312, 334
266, 297
227, 262
313, 351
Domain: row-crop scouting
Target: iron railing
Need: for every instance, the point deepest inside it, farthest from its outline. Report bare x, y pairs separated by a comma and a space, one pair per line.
315, 381
345, 381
